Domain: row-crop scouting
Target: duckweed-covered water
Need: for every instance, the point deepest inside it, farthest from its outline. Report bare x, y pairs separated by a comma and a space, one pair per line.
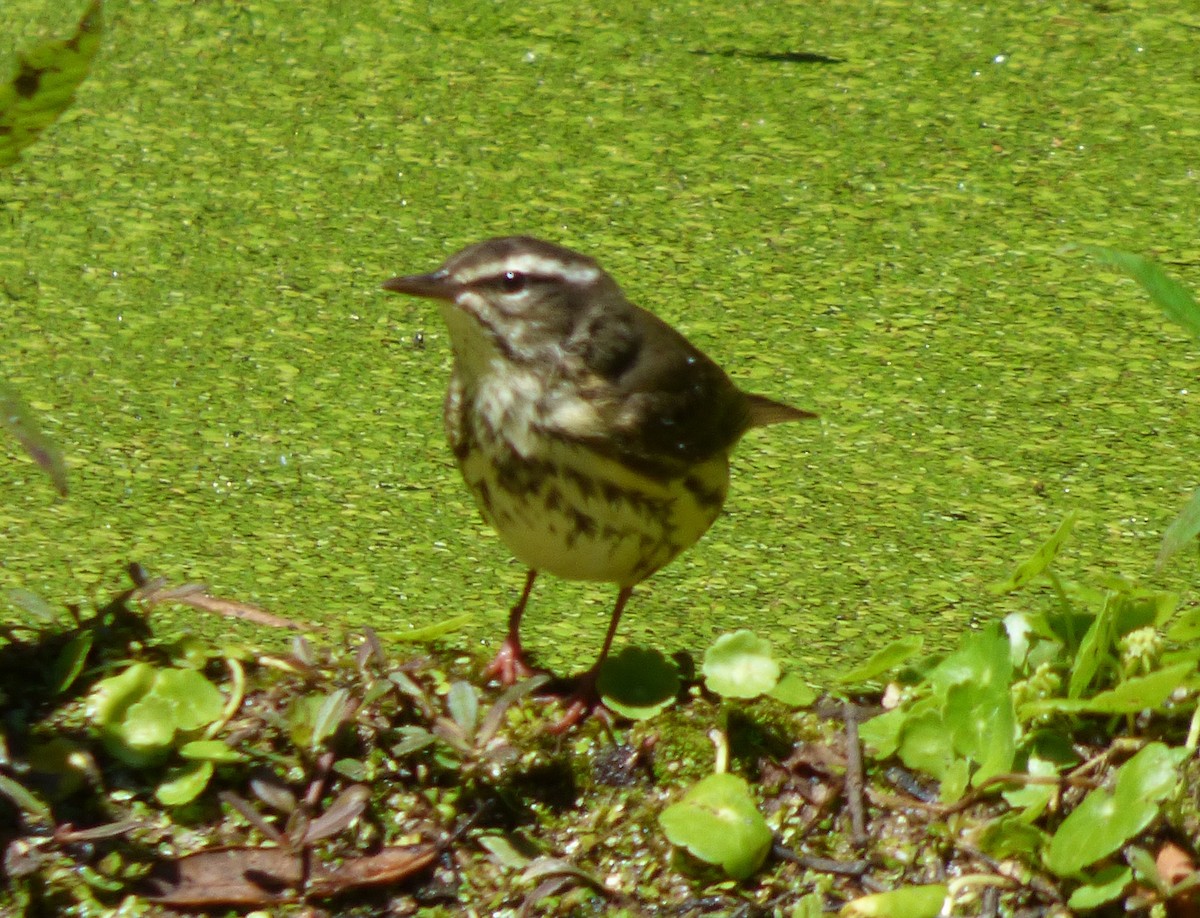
859, 207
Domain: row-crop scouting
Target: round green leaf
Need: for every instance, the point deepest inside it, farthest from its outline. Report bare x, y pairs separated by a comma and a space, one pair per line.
718, 822
135, 725
740, 665
794, 691
111, 697
184, 784
149, 724
1105, 819
638, 683
196, 702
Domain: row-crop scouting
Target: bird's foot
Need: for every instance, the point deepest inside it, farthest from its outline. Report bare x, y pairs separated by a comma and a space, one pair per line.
581, 700
509, 665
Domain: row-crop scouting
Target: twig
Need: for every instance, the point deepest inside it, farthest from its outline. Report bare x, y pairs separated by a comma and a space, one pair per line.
854, 777
155, 591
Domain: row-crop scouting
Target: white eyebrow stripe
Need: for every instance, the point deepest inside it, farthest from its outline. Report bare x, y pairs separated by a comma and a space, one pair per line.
535, 264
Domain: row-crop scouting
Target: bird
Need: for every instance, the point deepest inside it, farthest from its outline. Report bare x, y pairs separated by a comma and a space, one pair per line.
593, 436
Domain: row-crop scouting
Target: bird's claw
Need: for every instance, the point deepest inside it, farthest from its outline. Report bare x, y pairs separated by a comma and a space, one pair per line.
509, 665
582, 700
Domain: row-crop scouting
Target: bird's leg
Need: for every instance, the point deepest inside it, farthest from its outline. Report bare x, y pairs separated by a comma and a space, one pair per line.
509, 665
584, 698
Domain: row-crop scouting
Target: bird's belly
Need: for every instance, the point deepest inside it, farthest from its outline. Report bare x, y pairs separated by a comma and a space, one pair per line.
585, 516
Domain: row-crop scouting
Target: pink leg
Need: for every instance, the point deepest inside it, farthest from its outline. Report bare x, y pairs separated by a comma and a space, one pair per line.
584, 698
509, 665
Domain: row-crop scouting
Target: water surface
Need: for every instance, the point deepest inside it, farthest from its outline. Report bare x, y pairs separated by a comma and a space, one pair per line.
856, 207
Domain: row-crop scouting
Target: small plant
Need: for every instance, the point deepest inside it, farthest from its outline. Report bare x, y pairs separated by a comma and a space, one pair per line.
465, 739
146, 712
1010, 711
717, 820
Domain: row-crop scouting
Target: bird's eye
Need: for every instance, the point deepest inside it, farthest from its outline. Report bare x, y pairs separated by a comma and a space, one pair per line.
512, 282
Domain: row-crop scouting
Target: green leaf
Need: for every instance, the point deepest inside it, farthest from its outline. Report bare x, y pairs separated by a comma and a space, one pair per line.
140, 710
883, 660
955, 781
1032, 799
1145, 608
1169, 295
740, 665
355, 770
328, 716
184, 784
906, 902
983, 660
926, 745
1104, 886
215, 751
719, 823
1183, 655
1182, 531
195, 701
111, 696
110, 703
882, 733
1012, 836
966, 728
415, 739
432, 632
985, 729
975, 683
638, 683
23, 798
44, 84
499, 709
70, 661
1097, 645
1106, 820
28, 601
1041, 559
1145, 867
17, 419
145, 733
1186, 628
810, 906
463, 704
514, 850
793, 691
1141, 693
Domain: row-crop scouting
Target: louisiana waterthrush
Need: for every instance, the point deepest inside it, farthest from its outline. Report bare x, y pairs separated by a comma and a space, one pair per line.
593, 436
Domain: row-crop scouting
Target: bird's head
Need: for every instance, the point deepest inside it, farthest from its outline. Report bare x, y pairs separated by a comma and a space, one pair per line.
516, 299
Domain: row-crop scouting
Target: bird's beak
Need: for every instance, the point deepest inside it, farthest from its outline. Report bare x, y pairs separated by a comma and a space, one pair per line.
436, 285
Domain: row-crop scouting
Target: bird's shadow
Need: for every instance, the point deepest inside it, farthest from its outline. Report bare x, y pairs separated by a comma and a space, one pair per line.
776, 57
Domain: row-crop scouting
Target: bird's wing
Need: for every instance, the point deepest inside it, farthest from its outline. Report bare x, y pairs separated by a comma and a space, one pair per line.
660, 404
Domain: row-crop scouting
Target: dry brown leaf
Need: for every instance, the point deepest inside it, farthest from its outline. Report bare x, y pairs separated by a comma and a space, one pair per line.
247, 876
226, 876
390, 865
